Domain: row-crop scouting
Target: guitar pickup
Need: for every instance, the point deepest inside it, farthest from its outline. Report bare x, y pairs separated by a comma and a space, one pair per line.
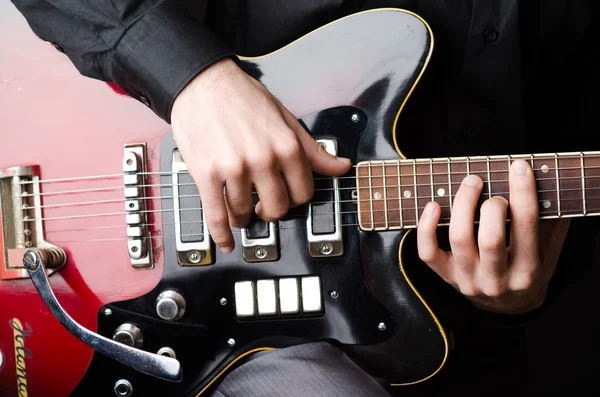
192, 239
139, 243
324, 220
259, 242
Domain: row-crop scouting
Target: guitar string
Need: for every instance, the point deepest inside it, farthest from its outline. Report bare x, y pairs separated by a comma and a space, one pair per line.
444, 184
392, 198
395, 211
158, 236
167, 185
201, 210
375, 163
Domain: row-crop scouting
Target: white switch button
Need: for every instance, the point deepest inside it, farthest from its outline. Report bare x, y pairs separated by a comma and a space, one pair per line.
267, 298
311, 294
244, 298
288, 296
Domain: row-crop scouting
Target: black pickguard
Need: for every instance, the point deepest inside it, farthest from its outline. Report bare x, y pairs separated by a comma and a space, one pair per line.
371, 287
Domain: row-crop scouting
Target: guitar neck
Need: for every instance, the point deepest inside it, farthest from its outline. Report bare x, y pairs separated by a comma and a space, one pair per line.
392, 194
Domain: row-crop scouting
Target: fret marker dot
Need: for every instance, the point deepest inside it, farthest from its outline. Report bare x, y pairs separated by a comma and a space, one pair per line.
545, 170
407, 193
547, 203
377, 196
441, 192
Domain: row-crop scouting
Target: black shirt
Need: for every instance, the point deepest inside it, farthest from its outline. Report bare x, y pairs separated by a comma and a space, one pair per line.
506, 77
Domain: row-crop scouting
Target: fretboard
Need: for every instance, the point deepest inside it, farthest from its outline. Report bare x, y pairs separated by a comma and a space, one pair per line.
392, 194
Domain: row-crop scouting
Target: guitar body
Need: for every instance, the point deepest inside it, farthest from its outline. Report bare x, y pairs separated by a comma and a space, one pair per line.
346, 81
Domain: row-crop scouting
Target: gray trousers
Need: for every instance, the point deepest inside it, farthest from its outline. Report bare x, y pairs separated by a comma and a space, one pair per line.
310, 370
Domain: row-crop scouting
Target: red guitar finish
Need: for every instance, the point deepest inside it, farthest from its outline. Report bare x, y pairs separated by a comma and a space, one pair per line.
70, 126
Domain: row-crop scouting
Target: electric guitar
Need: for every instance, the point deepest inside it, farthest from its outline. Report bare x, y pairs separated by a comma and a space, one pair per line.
109, 280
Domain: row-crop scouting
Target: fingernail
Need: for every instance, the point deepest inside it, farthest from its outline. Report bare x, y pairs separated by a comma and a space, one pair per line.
343, 160
472, 181
227, 249
520, 167
429, 209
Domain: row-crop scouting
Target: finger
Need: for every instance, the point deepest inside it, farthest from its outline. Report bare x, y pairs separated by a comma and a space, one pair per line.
296, 171
427, 245
215, 213
319, 159
462, 224
272, 192
524, 213
493, 254
238, 196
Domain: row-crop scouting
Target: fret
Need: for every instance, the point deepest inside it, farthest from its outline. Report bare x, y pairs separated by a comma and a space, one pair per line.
479, 166
424, 188
499, 174
569, 184
377, 195
385, 208
371, 198
592, 181
407, 193
363, 181
458, 172
449, 185
416, 193
431, 179
441, 184
557, 184
489, 177
400, 196
547, 185
391, 195
583, 183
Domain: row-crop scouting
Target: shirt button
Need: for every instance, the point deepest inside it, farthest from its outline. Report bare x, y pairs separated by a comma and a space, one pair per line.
490, 35
145, 100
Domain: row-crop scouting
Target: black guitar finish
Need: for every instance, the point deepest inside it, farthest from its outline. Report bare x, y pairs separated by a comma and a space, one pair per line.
366, 64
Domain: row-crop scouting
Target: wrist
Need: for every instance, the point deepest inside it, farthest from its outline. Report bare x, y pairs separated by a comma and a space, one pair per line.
204, 84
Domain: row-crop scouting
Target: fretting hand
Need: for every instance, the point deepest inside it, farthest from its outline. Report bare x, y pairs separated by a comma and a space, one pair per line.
494, 277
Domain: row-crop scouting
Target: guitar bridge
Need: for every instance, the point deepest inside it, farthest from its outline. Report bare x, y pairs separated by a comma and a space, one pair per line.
139, 241
21, 221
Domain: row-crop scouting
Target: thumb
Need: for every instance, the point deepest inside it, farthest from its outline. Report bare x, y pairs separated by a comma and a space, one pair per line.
320, 160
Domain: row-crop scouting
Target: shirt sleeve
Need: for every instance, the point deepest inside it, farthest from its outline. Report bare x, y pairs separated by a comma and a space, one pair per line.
150, 48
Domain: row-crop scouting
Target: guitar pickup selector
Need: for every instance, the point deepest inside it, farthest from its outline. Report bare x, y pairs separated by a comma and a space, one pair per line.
192, 239
284, 297
324, 220
139, 242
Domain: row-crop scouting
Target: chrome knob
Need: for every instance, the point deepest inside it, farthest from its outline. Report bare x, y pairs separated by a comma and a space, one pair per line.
128, 334
170, 305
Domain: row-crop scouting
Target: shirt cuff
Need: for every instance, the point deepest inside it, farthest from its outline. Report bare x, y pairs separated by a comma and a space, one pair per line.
159, 55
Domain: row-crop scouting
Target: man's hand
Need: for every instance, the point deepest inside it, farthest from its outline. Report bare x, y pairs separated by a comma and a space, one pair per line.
494, 277
233, 134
